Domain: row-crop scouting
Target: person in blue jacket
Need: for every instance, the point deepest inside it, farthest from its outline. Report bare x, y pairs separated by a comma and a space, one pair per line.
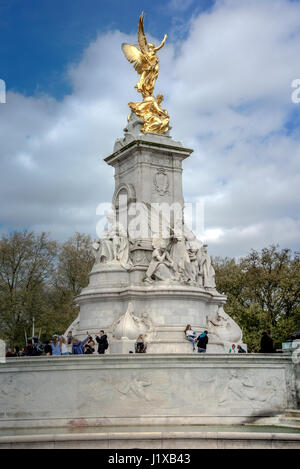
55, 345
78, 345
202, 342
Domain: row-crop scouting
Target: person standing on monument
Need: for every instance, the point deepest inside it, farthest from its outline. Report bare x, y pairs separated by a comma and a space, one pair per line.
9, 353
78, 345
102, 342
240, 349
63, 346
47, 348
89, 347
202, 342
266, 343
69, 338
55, 345
233, 349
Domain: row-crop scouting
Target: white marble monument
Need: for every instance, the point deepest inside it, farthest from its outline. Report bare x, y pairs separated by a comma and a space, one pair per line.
157, 269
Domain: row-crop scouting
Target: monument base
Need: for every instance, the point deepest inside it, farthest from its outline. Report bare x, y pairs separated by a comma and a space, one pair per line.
144, 389
161, 312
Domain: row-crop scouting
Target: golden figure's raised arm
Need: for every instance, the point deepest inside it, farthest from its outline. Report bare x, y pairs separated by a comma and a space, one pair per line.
161, 44
141, 35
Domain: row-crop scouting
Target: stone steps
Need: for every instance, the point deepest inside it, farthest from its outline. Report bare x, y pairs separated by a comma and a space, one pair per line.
151, 440
290, 418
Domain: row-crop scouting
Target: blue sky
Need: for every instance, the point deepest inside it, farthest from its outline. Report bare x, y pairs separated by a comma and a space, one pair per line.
40, 37
226, 72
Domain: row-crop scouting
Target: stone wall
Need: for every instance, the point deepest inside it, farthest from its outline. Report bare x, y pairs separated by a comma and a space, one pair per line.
144, 389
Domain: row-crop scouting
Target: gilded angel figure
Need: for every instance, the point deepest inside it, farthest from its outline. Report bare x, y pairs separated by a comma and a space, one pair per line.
145, 60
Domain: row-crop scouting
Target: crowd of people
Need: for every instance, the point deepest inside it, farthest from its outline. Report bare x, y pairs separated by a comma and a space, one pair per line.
61, 345
69, 345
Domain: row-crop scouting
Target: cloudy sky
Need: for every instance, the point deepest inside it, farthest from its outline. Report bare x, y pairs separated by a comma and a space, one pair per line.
226, 73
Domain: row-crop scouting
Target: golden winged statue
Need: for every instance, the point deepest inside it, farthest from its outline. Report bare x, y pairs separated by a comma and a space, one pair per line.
146, 63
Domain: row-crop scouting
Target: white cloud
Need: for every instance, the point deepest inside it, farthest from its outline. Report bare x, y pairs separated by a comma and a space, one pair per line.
228, 91
179, 5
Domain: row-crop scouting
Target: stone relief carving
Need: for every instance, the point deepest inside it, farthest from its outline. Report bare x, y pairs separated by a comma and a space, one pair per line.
223, 327
135, 387
182, 259
238, 388
113, 246
161, 181
141, 256
161, 266
206, 269
129, 326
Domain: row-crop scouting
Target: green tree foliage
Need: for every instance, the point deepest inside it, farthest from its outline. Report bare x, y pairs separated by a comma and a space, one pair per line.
263, 291
75, 262
40, 278
26, 267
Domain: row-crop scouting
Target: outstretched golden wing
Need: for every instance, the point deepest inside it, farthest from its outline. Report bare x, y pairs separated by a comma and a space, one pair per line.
141, 35
133, 55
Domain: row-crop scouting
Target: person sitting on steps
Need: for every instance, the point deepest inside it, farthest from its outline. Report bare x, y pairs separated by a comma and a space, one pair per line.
190, 335
141, 345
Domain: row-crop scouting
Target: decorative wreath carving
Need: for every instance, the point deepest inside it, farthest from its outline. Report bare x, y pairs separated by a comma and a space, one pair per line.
161, 181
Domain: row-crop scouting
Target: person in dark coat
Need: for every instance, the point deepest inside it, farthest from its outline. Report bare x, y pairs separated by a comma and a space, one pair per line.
240, 349
28, 350
69, 338
9, 353
202, 342
47, 348
102, 342
89, 347
266, 343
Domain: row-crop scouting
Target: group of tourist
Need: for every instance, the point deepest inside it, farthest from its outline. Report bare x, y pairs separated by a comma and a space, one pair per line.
69, 345
61, 345
201, 340
238, 349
